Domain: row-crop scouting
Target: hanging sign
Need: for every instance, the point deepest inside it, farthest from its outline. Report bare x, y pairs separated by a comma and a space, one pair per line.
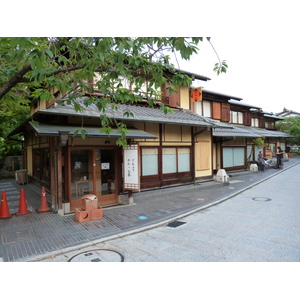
105, 166
196, 94
131, 168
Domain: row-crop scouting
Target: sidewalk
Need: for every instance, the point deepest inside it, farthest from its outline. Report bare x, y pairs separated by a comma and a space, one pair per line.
26, 238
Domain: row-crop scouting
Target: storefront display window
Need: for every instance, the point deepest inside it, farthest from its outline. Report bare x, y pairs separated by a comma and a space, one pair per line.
169, 160
149, 161
184, 159
173, 160
233, 156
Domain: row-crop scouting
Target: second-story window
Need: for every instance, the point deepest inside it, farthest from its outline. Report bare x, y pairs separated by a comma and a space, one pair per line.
236, 117
270, 125
206, 109
254, 122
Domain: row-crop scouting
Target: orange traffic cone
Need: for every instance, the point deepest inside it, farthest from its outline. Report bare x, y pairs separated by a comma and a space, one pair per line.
43, 203
23, 210
4, 210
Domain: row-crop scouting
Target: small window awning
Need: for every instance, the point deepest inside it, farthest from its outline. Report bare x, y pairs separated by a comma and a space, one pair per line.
43, 129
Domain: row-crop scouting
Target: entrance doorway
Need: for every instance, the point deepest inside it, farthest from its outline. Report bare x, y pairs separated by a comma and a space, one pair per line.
93, 171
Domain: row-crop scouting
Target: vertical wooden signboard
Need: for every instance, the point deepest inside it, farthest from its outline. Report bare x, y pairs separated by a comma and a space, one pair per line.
131, 168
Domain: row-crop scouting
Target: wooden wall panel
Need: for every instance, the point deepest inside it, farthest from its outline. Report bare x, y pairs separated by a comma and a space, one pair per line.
216, 111
225, 116
172, 133
202, 158
247, 119
171, 100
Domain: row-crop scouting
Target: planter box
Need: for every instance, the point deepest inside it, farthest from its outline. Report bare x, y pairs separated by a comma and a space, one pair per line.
96, 214
89, 202
88, 215
82, 215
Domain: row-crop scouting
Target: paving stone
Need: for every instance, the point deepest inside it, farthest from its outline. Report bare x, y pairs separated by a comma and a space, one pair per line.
42, 233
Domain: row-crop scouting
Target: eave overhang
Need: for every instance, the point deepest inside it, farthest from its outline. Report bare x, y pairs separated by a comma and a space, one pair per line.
43, 129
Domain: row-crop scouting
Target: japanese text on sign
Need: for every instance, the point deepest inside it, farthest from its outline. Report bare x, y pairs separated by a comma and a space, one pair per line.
131, 168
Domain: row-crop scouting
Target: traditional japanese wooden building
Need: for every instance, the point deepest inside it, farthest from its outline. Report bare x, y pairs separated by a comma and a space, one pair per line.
163, 149
235, 147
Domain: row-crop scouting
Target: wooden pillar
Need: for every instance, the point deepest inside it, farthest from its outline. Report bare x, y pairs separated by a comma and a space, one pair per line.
59, 179
161, 133
63, 139
56, 181
52, 172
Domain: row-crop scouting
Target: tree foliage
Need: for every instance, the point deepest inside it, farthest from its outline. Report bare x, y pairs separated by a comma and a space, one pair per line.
31, 67
291, 125
12, 113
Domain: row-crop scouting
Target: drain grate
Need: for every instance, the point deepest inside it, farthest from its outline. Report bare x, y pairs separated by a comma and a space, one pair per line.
175, 224
17, 236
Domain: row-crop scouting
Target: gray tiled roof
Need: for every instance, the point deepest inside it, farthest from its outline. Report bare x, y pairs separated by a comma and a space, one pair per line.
245, 131
268, 115
267, 133
54, 130
221, 94
244, 104
233, 132
140, 113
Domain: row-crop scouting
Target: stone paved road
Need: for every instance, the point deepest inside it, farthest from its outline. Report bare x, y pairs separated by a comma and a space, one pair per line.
261, 224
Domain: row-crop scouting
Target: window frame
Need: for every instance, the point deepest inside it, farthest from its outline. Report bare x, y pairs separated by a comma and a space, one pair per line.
255, 122
170, 175
236, 117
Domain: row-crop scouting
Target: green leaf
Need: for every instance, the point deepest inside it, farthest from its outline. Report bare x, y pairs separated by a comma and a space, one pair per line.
45, 96
89, 101
83, 133
49, 53
75, 132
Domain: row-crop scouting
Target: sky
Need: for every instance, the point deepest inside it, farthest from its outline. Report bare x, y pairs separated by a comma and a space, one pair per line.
262, 70
259, 39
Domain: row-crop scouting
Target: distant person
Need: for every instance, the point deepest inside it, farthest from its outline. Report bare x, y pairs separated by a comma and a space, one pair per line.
261, 162
279, 158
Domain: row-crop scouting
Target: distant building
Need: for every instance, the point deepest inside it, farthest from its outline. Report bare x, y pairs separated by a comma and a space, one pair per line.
234, 147
288, 113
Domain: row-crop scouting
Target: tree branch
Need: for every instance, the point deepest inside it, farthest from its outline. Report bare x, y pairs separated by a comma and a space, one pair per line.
18, 78
59, 71
14, 80
220, 63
